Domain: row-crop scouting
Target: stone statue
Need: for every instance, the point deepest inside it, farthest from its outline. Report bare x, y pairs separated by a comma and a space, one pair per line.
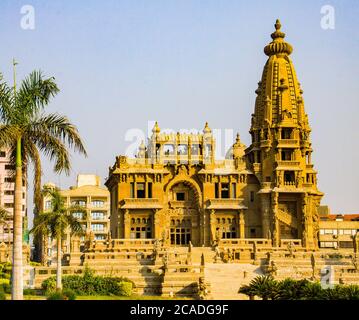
165, 261
313, 262
217, 254
202, 288
290, 248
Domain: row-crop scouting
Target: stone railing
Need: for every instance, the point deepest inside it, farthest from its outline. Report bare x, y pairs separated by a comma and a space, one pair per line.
287, 218
288, 163
260, 242
133, 203
294, 242
224, 203
288, 142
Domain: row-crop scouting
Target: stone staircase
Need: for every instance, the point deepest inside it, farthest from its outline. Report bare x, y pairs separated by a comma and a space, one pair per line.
287, 218
226, 279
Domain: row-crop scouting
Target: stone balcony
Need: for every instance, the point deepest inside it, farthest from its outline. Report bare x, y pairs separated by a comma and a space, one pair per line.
140, 203
234, 204
288, 163
287, 143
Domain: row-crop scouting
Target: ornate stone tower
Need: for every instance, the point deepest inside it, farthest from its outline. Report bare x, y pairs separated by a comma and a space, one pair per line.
280, 153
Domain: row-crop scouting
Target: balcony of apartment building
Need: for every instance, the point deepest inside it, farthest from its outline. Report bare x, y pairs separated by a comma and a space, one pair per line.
287, 159
340, 237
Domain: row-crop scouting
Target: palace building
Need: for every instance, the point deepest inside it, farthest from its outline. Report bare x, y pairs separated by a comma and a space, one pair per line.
177, 191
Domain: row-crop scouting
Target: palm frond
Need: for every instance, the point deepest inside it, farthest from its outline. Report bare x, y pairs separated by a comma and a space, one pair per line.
6, 102
35, 93
59, 127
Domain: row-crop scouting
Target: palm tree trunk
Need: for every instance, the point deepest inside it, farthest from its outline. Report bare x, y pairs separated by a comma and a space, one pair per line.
59, 267
8, 247
17, 272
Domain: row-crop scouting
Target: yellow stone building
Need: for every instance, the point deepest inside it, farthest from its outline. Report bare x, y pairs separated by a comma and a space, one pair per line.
177, 191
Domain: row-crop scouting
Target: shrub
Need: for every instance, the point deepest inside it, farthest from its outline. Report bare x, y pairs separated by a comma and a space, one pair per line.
90, 285
2, 295
49, 284
29, 291
56, 295
125, 288
69, 294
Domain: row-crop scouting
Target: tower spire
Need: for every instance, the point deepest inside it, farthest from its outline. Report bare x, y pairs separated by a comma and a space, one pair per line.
278, 45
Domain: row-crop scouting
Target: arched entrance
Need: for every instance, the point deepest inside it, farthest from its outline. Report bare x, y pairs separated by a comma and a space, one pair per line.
184, 213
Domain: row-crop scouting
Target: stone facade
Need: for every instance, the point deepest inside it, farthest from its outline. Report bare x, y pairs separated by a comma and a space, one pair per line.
175, 189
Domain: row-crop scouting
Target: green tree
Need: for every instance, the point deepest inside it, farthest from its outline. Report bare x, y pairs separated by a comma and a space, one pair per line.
4, 221
55, 222
27, 132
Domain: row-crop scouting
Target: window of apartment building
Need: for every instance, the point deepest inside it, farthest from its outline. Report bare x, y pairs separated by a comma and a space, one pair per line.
97, 215
9, 205
78, 215
98, 203
81, 203
9, 167
97, 227
225, 191
9, 192
141, 192
180, 196
2, 154
9, 179
23, 207
234, 191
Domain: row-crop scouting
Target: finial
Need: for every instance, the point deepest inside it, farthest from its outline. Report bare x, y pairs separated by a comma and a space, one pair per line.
277, 25
207, 129
156, 128
238, 138
278, 45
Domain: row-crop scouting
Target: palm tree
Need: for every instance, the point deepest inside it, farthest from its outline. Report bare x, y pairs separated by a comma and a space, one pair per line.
27, 132
55, 223
262, 286
4, 221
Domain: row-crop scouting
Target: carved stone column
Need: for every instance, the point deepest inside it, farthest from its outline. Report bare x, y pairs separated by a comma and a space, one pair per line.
126, 224
265, 209
275, 222
213, 225
241, 224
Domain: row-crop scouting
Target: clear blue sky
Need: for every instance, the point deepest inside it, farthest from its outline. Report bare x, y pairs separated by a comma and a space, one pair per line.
120, 64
